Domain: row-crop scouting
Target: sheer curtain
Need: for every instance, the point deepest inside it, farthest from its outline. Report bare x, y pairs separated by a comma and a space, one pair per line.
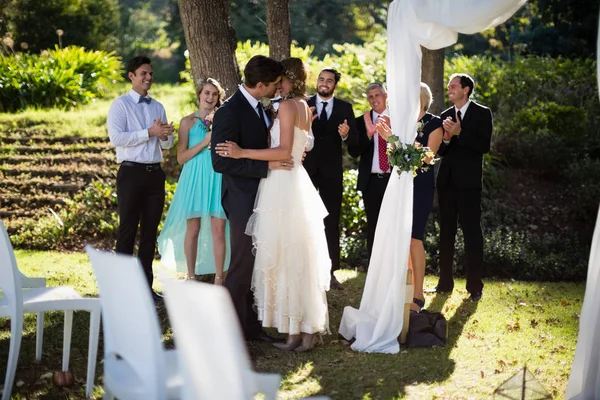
411, 23
584, 382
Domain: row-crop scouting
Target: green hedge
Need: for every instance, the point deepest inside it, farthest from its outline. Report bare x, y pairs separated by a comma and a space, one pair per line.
62, 78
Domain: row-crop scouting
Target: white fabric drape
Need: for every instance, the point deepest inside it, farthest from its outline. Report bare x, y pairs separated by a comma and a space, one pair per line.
411, 23
584, 382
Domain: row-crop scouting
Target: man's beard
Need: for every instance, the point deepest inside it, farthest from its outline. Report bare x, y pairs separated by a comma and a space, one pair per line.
325, 92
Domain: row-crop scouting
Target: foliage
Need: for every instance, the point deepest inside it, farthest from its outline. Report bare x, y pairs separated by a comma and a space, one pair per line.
91, 216
353, 223
148, 28
87, 23
62, 78
315, 23
541, 27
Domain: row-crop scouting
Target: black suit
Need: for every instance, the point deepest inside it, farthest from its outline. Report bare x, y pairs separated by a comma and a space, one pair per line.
459, 186
237, 121
371, 185
324, 166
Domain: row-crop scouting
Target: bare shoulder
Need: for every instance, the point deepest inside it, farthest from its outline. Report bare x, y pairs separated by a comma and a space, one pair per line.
188, 121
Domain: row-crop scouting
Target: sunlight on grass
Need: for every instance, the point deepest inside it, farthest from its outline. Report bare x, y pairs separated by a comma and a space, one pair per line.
515, 324
90, 120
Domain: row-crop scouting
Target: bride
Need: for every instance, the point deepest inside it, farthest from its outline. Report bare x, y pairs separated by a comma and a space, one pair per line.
292, 266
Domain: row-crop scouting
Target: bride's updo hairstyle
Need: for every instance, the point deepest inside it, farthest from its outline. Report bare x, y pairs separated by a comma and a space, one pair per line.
295, 70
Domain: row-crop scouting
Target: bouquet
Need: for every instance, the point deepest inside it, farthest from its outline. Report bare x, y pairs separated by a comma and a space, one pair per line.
208, 120
409, 157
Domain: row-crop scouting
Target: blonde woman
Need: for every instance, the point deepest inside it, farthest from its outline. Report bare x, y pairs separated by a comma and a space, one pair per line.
193, 238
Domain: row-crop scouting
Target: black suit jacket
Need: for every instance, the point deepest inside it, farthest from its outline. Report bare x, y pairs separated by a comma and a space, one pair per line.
363, 148
237, 121
326, 156
462, 158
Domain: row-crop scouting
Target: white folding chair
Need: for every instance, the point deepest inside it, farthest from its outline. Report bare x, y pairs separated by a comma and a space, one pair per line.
136, 365
40, 299
212, 354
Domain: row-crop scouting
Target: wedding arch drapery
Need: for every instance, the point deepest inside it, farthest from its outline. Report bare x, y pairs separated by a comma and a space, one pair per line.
584, 382
411, 23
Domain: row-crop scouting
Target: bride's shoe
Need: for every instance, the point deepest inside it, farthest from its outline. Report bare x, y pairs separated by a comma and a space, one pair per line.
292, 343
309, 340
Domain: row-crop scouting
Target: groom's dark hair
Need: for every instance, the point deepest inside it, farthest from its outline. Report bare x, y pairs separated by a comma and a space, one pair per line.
465, 81
262, 69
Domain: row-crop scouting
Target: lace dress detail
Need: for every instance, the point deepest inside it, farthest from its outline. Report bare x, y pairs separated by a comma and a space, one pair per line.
292, 267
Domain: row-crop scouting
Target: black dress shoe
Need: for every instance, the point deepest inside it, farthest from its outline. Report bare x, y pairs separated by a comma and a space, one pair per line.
438, 289
335, 284
157, 296
263, 337
475, 296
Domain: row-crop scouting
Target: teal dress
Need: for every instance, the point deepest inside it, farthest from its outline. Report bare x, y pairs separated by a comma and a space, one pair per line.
198, 195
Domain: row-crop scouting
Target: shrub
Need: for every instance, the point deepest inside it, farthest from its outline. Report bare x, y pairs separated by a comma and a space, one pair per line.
353, 232
62, 78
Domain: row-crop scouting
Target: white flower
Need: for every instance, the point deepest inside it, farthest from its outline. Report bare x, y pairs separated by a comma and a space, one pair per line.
265, 102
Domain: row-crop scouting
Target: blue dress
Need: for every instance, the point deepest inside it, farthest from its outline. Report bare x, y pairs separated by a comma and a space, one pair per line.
424, 182
198, 195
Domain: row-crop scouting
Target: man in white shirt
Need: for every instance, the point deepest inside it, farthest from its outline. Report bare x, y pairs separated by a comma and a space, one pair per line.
374, 167
138, 128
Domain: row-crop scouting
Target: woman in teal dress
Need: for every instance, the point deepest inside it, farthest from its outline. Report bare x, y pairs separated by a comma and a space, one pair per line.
193, 239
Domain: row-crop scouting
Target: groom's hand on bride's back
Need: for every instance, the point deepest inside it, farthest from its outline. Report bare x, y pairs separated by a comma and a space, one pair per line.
287, 165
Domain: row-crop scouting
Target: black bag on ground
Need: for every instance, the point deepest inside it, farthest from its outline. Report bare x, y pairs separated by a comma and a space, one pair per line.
427, 329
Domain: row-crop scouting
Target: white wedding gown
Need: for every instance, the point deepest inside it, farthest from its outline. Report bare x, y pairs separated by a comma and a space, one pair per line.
292, 267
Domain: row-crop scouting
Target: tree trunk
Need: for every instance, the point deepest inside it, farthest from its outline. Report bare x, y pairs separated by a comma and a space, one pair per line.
432, 73
278, 28
211, 42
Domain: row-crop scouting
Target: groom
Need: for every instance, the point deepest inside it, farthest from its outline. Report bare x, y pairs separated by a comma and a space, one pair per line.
241, 119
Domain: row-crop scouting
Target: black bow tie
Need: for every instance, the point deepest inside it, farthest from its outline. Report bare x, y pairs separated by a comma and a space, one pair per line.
143, 99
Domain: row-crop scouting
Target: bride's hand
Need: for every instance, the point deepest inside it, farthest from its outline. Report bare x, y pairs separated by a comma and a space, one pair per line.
229, 150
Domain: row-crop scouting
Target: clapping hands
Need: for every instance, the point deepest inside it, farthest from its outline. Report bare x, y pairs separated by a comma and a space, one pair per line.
161, 129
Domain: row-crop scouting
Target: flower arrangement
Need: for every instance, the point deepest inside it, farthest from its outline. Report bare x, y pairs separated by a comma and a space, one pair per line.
409, 157
208, 120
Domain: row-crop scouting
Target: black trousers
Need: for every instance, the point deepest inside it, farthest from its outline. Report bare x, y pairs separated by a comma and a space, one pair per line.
462, 206
141, 198
241, 265
372, 198
330, 190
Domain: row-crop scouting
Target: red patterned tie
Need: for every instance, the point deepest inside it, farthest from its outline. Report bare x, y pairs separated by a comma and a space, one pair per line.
384, 163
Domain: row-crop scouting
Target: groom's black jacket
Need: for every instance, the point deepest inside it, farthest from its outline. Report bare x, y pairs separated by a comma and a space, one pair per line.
238, 122
462, 158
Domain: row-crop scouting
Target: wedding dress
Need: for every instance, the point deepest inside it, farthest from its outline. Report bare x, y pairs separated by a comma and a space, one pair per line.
292, 266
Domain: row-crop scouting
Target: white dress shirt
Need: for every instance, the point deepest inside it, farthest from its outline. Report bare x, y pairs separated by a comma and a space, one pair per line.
128, 122
319, 104
375, 165
254, 103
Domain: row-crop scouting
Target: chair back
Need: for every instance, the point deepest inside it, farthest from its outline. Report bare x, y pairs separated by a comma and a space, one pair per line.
129, 320
212, 353
10, 282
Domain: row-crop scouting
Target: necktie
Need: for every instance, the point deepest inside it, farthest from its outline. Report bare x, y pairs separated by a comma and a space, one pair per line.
459, 117
143, 99
323, 116
261, 113
384, 163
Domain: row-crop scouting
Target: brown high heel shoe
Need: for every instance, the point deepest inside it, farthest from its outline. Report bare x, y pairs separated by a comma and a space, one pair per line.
309, 340
292, 343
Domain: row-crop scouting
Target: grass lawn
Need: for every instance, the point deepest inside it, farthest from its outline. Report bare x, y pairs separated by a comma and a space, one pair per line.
90, 120
515, 324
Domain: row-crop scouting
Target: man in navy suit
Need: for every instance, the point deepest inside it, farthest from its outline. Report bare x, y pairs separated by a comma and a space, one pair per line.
374, 168
334, 124
467, 136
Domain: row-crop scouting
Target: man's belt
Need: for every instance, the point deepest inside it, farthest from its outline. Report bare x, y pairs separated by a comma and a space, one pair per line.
148, 167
